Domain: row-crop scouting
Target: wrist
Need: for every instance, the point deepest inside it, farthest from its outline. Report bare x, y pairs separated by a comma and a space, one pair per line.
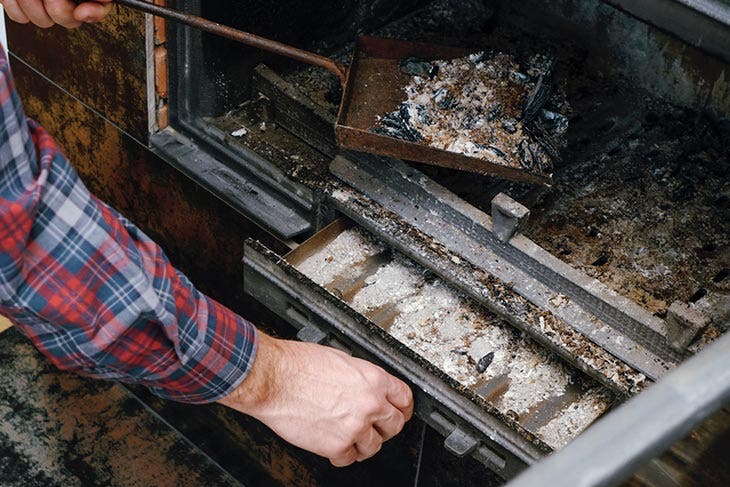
259, 387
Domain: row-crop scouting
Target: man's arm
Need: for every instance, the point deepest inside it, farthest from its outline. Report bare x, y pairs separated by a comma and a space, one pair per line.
97, 296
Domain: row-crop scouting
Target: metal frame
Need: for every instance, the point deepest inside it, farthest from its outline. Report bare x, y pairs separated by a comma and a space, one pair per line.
239, 177
611, 450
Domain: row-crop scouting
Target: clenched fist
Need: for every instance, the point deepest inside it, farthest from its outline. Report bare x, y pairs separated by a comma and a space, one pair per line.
46, 13
321, 399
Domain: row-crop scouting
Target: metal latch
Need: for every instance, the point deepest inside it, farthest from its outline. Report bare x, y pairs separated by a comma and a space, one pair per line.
311, 334
460, 443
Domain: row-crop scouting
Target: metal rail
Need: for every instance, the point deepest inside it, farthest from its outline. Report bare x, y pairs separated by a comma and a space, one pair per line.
614, 323
645, 426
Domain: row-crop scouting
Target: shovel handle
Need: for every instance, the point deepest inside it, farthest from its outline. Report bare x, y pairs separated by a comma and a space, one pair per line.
239, 36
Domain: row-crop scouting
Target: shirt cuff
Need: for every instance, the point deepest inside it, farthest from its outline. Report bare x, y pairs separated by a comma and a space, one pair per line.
220, 363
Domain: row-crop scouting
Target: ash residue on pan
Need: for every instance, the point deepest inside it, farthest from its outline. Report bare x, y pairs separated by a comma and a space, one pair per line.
476, 348
485, 105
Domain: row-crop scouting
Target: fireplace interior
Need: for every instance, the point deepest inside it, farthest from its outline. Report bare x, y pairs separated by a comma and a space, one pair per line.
639, 204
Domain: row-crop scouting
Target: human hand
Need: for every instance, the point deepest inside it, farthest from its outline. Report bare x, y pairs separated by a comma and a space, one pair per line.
321, 399
45, 13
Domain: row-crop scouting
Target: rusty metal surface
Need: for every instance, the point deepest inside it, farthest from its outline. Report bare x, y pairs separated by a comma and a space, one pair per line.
61, 429
375, 87
102, 65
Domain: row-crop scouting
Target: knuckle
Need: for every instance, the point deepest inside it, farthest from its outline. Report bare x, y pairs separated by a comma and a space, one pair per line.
372, 451
360, 428
18, 18
372, 408
400, 421
339, 449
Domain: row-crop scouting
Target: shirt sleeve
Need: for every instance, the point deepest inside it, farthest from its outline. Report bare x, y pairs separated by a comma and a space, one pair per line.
93, 292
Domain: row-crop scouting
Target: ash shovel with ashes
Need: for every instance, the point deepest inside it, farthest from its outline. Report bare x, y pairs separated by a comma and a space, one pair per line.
484, 106
372, 86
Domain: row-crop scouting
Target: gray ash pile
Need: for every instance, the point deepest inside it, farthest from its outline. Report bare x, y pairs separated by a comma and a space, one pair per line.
485, 105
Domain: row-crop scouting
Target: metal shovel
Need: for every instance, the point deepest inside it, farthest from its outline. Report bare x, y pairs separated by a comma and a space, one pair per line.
372, 86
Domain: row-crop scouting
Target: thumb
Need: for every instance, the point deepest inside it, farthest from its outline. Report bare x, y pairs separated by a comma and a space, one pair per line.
400, 396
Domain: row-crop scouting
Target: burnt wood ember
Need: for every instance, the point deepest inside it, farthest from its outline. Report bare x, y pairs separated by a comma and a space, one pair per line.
485, 105
484, 362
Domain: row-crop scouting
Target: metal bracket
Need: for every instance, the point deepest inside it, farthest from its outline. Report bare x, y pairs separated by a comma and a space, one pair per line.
460, 443
508, 216
246, 193
683, 325
311, 334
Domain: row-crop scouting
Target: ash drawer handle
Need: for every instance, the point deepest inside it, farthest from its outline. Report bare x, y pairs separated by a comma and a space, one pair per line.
307, 331
311, 334
458, 442
462, 443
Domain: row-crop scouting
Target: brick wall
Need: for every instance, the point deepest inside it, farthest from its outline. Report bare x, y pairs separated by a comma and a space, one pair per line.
160, 67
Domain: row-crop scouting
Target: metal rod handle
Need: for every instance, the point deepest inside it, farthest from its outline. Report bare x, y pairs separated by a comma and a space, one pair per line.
239, 36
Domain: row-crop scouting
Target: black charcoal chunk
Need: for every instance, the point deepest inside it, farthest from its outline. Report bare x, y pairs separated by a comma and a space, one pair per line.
536, 98
433, 72
535, 155
481, 57
525, 155
484, 362
540, 69
443, 99
423, 115
554, 124
496, 151
396, 124
518, 77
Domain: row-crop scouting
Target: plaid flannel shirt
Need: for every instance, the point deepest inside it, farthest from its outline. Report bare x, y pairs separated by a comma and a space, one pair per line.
91, 291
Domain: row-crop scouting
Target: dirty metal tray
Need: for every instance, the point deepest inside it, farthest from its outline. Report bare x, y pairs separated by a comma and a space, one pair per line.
467, 414
374, 69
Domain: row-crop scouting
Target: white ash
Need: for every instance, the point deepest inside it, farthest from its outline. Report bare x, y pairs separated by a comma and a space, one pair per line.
342, 255
240, 132
395, 282
481, 106
452, 333
574, 418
